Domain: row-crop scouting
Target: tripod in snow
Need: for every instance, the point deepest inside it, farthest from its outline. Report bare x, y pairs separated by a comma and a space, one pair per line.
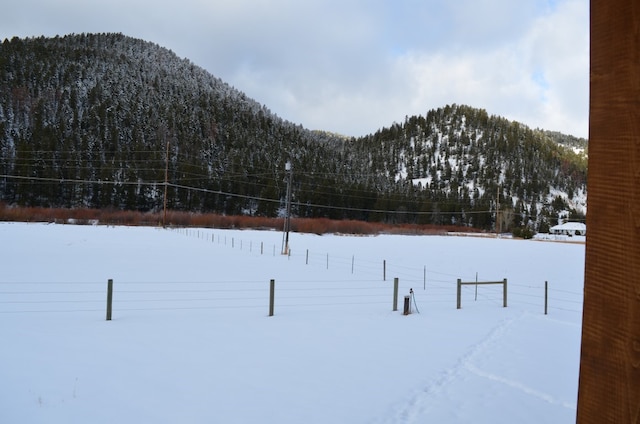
413, 299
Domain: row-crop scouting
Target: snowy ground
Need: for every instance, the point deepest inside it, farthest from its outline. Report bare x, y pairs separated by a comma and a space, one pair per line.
191, 340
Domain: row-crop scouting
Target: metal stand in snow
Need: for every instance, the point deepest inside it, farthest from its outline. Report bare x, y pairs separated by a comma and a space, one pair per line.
413, 298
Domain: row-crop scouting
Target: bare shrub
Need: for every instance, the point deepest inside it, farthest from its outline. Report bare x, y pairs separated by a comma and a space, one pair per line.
111, 216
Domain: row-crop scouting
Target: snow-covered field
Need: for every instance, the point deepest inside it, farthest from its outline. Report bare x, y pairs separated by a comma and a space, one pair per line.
191, 340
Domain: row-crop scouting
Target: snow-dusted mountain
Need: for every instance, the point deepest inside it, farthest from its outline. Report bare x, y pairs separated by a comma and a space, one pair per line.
105, 120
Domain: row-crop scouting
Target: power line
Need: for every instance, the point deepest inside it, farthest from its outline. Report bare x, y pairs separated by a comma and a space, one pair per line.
242, 196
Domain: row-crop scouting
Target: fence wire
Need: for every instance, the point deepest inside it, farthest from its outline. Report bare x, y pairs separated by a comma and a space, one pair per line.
29, 297
369, 283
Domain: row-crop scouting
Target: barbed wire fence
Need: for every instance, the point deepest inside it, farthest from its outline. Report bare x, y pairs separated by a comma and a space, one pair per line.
367, 284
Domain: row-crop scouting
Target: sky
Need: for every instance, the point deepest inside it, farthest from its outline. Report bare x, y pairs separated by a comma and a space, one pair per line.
354, 66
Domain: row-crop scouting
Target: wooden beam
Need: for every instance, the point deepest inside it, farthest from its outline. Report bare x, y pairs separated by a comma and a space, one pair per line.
461, 283
609, 387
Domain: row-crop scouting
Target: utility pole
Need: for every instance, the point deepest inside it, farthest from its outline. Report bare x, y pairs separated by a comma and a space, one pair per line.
287, 220
166, 184
498, 210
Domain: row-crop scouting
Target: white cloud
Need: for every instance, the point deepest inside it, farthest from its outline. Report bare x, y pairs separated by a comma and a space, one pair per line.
559, 46
534, 69
353, 66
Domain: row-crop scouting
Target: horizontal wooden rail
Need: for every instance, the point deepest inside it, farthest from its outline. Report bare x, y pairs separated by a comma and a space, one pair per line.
476, 283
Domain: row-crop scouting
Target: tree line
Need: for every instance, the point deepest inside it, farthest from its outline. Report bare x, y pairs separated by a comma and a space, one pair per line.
108, 121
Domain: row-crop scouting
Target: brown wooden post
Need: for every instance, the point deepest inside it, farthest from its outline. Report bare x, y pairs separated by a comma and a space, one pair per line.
407, 305
504, 294
546, 296
109, 298
384, 270
272, 290
459, 294
395, 294
609, 387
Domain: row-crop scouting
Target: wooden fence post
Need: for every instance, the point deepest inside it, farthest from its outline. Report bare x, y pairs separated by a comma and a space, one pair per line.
504, 294
395, 294
424, 285
109, 298
459, 293
384, 270
407, 305
272, 289
477, 283
476, 298
546, 298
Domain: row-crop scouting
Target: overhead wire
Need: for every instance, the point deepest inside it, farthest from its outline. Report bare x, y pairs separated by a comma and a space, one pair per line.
228, 177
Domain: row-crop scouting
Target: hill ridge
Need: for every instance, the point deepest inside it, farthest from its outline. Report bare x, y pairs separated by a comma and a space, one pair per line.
96, 112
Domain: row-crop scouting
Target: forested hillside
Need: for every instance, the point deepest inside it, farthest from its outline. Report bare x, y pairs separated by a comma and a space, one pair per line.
108, 121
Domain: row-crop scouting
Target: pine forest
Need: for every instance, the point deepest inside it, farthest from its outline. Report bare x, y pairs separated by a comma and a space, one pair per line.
108, 121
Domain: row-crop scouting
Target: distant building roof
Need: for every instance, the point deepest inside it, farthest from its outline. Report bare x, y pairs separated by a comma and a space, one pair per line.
577, 228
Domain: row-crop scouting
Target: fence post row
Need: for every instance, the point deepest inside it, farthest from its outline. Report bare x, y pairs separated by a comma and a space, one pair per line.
396, 280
